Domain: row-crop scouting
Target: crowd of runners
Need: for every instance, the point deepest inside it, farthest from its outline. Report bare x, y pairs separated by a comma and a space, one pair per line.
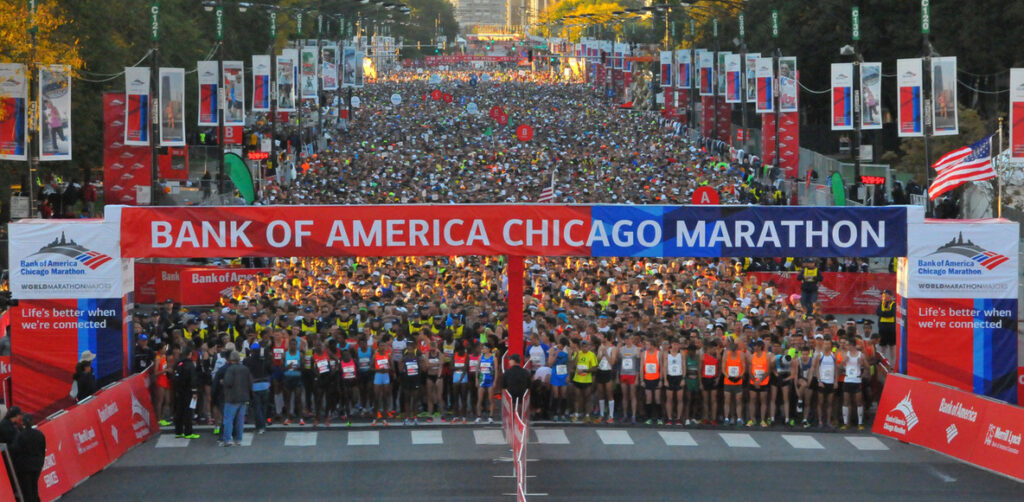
423, 339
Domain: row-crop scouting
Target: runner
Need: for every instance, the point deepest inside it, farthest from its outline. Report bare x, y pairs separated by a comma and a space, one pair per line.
364, 375
605, 378
759, 378
628, 356
654, 378
825, 369
558, 359
410, 367
804, 392
674, 374
460, 384
434, 387
710, 381
691, 397
734, 369
350, 382
584, 362
486, 382
854, 366
382, 382
293, 391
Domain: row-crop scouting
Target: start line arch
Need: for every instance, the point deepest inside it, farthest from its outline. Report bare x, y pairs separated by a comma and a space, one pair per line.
515, 231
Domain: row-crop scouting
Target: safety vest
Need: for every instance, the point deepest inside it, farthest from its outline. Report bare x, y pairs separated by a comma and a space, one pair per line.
652, 366
888, 312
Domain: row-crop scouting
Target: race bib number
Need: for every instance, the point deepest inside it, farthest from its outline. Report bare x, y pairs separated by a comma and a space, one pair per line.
382, 364
675, 369
604, 365
412, 368
536, 360
651, 368
827, 374
709, 370
758, 374
434, 361
485, 368
627, 364
322, 366
460, 365
582, 369
853, 371
278, 354
364, 363
473, 365
734, 372
348, 372
561, 369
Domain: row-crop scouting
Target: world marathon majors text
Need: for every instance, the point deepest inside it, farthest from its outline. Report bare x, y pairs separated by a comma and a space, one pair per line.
519, 232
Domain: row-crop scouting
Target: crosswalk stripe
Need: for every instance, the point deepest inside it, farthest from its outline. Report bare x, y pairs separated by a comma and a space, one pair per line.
169, 441
866, 443
614, 437
427, 437
364, 438
488, 436
551, 436
738, 440
300, 439
677, 438
802, 442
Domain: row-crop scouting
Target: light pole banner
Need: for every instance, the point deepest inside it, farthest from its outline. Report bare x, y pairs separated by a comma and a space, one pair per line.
286, 81
733, 86
842, 96
788, 85
707, 73
765, 74
137, 118
172, 107
349, 65
619, 53
55, 119
1017, 113
751, 77
871, 95
234, 93
261, 83
720, 72
207, 73
666, 68
944, 120
308, 78
684, 69
14, 117
329, 70
908, 86
360, 62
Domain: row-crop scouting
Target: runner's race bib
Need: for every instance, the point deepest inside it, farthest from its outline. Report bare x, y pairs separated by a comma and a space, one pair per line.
627, 364
322, 366
651, 368
485, 368
581, 369
734, 372
709, 370
604, 365
853, 371
675, 369
827, 374
561, 369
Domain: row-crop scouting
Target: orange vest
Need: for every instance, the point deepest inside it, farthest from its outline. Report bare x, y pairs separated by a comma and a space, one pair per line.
759, 368
652, 368
734, 369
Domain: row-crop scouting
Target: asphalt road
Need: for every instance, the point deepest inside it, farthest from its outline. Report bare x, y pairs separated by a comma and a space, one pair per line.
457, 463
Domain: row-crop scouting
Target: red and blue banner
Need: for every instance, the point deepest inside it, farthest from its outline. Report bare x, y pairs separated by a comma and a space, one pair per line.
208, 77
733, 86
14, 124
842, 96
707, 82
524, 230
765, 75
685, 68
909, 81
666, 68
137, 113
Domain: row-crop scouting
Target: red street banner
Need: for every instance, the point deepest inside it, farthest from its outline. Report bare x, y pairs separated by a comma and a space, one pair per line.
1017, 113
206, 286
467, 58
981, 431
839, 292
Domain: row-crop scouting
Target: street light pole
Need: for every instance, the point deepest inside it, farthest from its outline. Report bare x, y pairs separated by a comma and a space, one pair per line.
926, 83
777, 98
714, 79
273, 90
154, 90
220, 98
858, 93
694, 86
32, 29
743, 64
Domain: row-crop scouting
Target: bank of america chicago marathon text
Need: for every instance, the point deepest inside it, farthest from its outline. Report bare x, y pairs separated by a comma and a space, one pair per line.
514, 232
43, 268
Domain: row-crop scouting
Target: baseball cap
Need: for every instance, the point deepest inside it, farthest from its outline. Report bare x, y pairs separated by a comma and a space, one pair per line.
143, 337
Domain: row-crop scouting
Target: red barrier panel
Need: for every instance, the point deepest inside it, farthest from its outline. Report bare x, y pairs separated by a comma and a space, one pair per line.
205, 286
839, 292
88, 437
960, 424
6, 488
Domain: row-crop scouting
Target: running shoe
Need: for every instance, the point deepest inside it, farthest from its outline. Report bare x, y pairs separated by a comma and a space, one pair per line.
860, 427
415, 421
164, 423
374, 422
490, 420
661, 422
649, 421
806, 424
237, 443
764, 425
405, 422
192, 436
270, 421
574, 419
750, 423
386, 423
261, 431
477, 420
611, 420
791, 422
463, 420
844, 427
316, 423
302, 421
179, 436
633, 421
216, 431
287, 421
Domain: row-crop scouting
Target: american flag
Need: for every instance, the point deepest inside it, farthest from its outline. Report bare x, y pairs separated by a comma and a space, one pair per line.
547, 195
970, 163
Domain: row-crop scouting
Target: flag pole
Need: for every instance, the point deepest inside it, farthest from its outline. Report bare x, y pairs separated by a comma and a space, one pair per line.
999, 179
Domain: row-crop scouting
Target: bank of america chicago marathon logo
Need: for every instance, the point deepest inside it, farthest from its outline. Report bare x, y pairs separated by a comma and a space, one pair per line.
968, 249
903, 425
71, 249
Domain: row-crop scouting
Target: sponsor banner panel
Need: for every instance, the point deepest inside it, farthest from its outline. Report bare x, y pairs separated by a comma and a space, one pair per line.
977, 259
971, 428
65, 260
206, 286
524, 230
839, 292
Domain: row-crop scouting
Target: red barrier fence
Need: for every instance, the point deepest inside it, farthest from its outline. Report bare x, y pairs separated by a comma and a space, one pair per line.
972, 428
86, 438
838, 292
515, 420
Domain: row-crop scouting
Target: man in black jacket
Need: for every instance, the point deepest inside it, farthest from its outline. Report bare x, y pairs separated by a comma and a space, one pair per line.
28, 452
237, 389
10, 426
260, 369
517, 379
185, 386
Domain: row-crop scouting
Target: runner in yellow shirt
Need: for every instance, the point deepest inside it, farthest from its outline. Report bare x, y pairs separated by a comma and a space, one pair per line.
585, 363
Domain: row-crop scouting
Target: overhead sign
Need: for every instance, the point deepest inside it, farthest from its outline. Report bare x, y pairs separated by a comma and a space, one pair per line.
685, 231
66, 260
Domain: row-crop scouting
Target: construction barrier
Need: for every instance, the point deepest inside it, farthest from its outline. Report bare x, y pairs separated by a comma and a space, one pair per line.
515, 420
